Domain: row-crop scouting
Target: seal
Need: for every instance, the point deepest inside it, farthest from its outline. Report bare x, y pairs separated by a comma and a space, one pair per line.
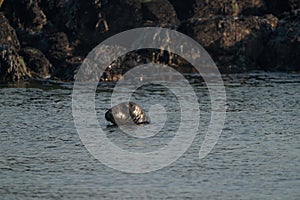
126, 113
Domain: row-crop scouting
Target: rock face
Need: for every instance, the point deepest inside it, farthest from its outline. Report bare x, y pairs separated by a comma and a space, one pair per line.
51, 38
282, 51
278, 7
204, 8
37, 62
159, 13
235, 43
12, 66
7, 33
25, 14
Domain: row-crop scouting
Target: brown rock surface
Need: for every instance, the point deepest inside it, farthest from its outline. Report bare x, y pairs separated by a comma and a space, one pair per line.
283, 48
234, 43
239, 35
12, 66
37, 62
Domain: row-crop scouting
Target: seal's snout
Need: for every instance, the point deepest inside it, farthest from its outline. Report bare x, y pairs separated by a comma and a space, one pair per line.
126, 113
109, 117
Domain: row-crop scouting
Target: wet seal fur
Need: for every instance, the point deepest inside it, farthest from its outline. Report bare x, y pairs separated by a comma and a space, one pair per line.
126, 113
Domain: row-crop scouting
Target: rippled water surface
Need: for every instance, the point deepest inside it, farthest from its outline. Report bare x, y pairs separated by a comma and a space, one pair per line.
256, 157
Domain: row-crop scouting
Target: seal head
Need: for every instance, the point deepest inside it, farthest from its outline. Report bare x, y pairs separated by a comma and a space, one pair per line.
126, 113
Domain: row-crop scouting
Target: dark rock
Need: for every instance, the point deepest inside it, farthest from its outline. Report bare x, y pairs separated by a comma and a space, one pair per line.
122, 15
204, 8
37, 62
8, 35
67, 72
25, 14
159, 13
119, 67
234, 43
37, 40
184, 9
283, 49
59, 48
87, 23
238, 34
277, 7
12, 66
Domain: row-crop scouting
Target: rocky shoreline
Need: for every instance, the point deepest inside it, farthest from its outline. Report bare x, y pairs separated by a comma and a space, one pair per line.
49, 39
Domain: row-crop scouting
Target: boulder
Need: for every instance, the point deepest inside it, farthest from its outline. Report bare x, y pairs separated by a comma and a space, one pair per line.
12, 66
8, 34
25, 14
59, 48
60, 33
282, 51
37, 62
278, 7
204, 8
184, 9
159, 13
67, 72
123, 64
60, 54
235, 43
